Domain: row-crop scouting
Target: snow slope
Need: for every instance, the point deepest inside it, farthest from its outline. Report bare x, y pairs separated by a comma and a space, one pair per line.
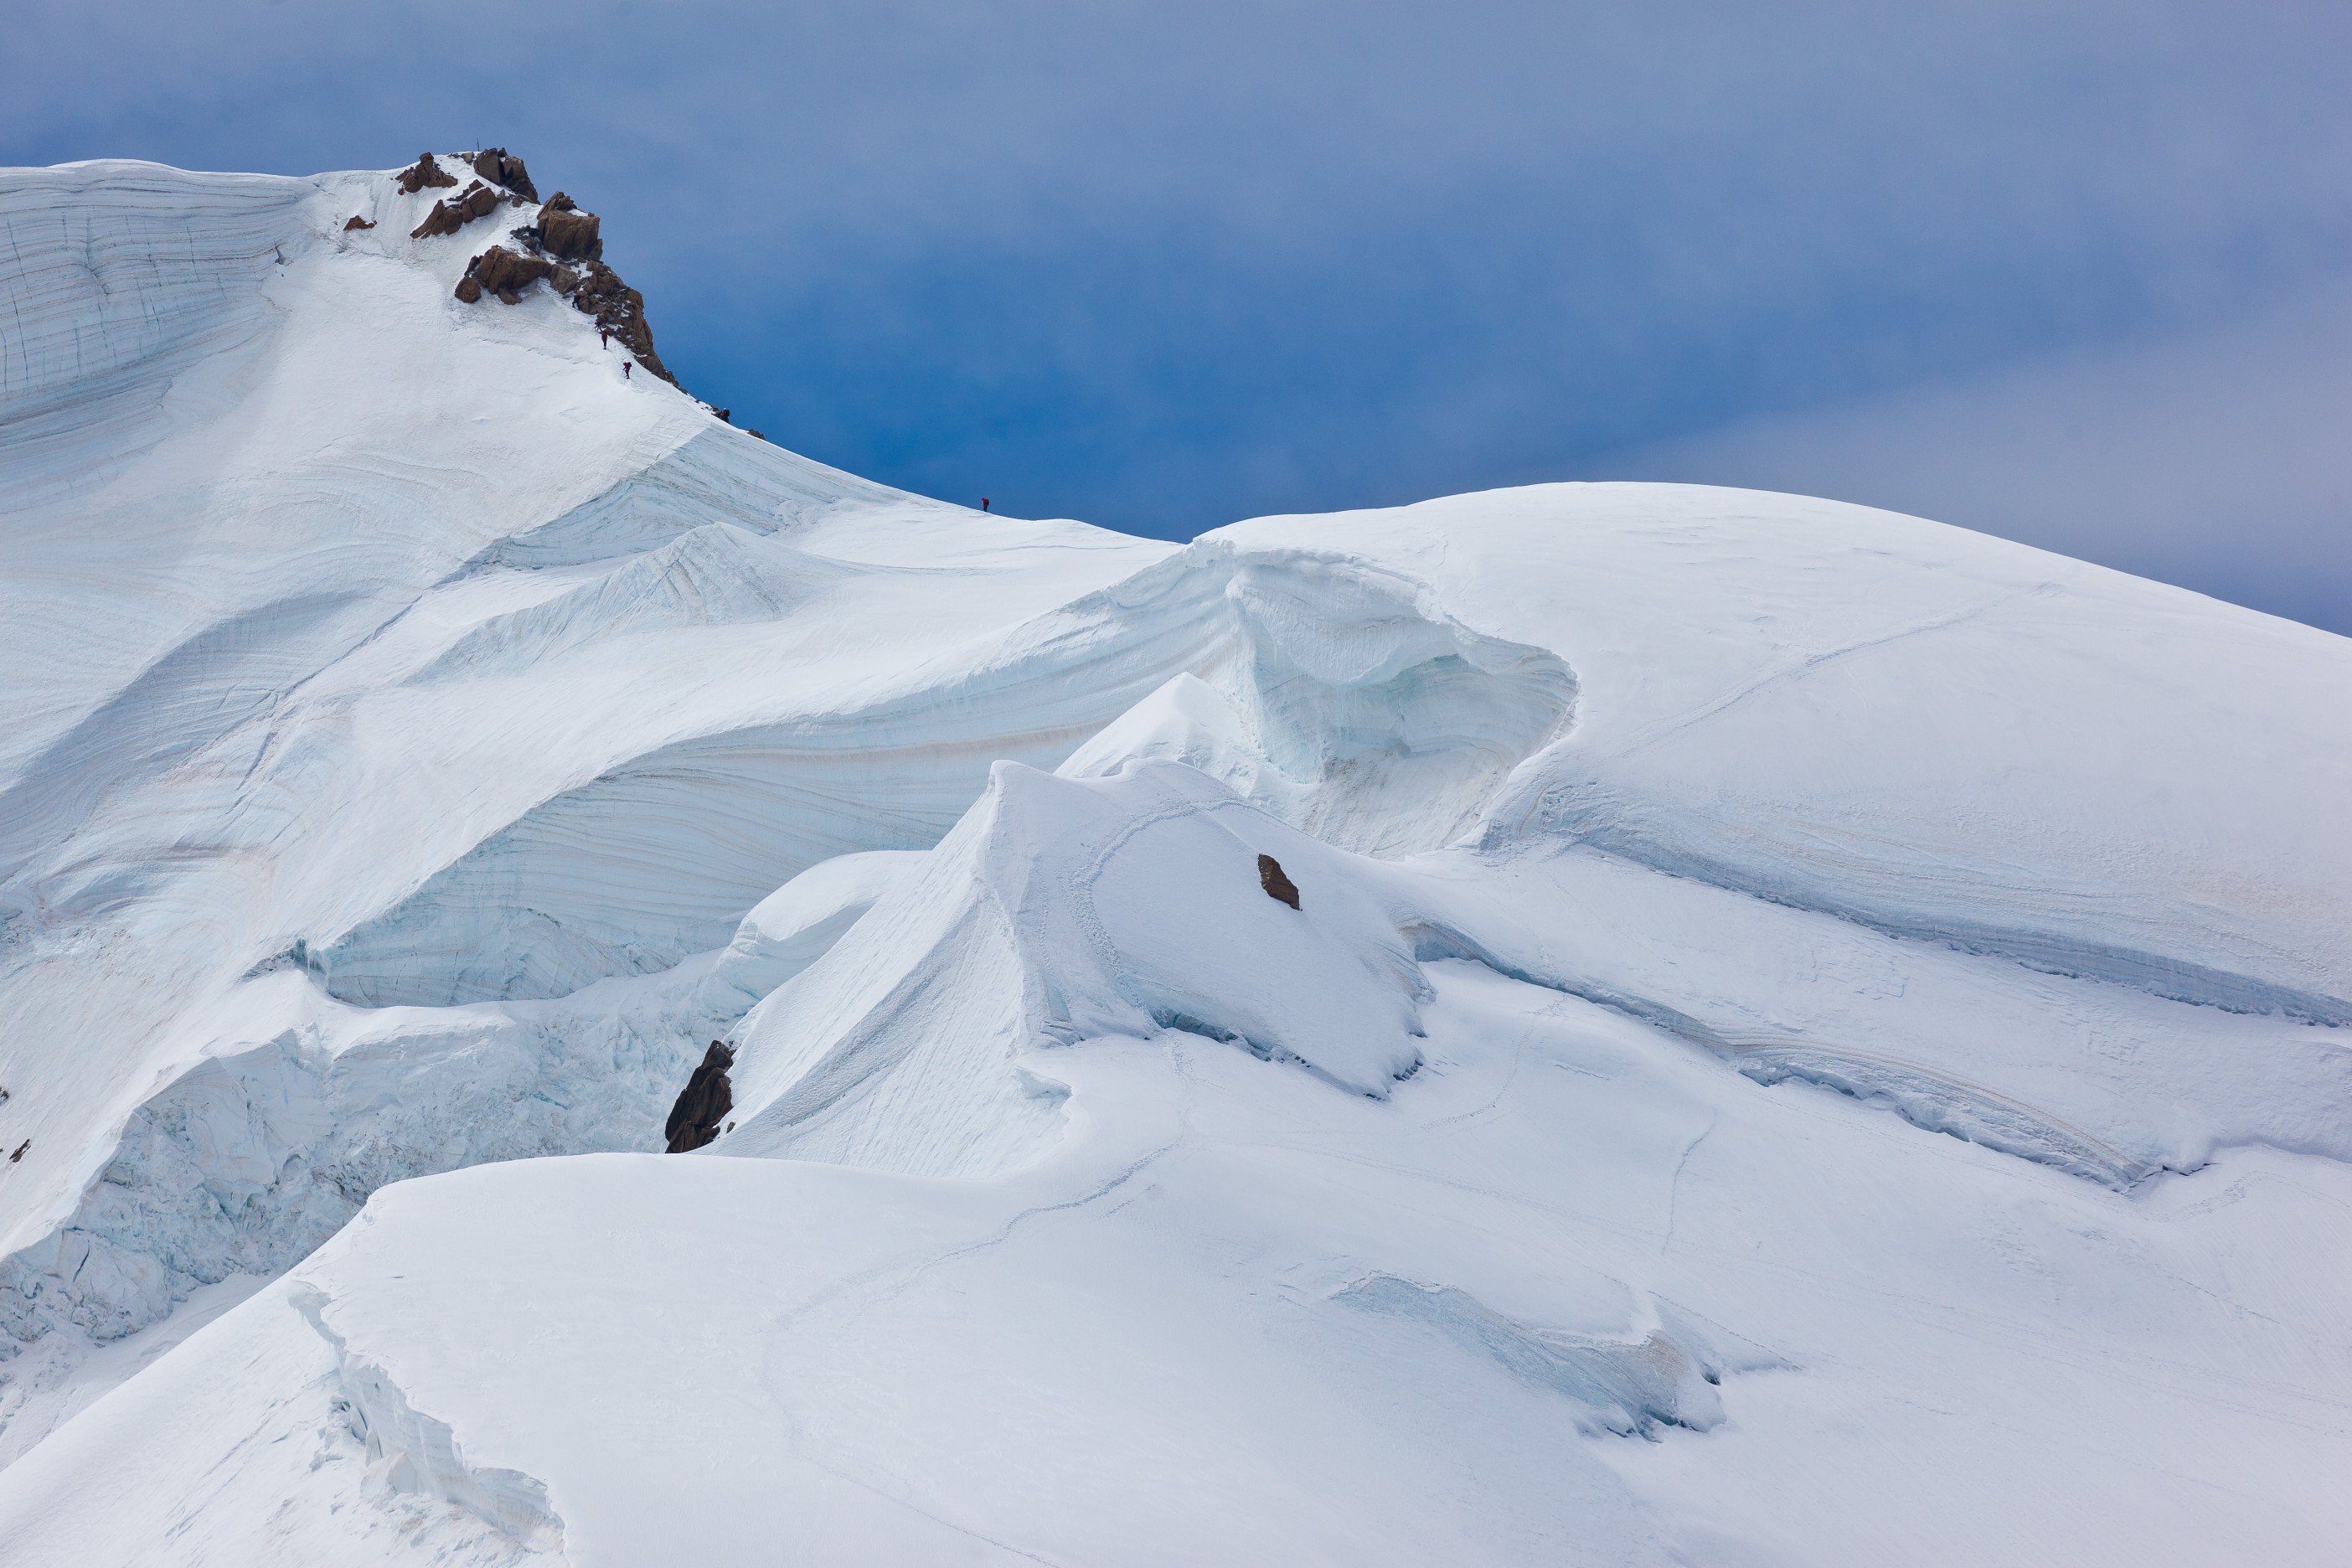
1806, 1036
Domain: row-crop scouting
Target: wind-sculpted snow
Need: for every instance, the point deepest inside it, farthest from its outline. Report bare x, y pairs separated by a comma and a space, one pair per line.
122, 279
1350, 704
715, 479
412, 1452
250, 1159
1364, 1020
715, 575
799, 923
1062, 910
1963, 740
1633, 1388
1379, 723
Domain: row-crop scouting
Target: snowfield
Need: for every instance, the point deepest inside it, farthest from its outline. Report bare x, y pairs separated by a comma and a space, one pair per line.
1602, 1024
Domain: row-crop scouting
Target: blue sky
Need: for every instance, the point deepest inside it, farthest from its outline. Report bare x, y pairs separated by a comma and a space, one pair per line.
2080, 274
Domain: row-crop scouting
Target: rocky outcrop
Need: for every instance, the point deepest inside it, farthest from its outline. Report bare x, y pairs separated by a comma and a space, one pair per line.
620, 311
702, 1106
1278, 887
568, 234
494, 165
451, 213
565, 247
508, 273
425, 172
358, 222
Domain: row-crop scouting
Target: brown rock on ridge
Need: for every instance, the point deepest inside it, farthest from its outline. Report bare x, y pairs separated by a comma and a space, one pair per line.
358, 222
423, 173
621, 310
442, 219
449, 214
702, 1106
493, 164
565, 247
504, 272
567, 233
1277, 886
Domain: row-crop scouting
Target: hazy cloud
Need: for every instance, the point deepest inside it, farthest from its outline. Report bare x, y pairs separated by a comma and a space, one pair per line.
1165, 265
2219, 459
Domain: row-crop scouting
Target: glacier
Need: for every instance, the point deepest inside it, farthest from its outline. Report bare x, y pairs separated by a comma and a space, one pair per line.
1797, 1035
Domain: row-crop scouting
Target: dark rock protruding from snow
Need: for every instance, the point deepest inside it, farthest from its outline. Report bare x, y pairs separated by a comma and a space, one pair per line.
451, 213
702, 1106
620, 311
1277, 886
423, 173
568, 234
508, 273
358, 222
565, 247
493, 164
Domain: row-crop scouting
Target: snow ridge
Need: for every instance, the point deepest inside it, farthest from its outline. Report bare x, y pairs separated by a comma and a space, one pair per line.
1352, 1017
410, 1451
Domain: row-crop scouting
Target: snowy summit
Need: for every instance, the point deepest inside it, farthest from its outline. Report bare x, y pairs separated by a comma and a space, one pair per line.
1600, 1024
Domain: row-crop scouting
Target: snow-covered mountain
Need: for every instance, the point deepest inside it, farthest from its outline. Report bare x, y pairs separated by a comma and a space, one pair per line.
1609, 1024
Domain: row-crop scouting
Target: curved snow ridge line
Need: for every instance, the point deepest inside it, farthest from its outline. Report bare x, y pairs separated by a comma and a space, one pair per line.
1166, 1006
713, 477
1937, 1102
1929, 1100
1669, 1377
1345, 700
799, 923
413, 1452
2166, 976
661, 853
191, 697
117, 273
1382, 708
715, 574
903, 1047
250, 1161
661, 857
1059, 911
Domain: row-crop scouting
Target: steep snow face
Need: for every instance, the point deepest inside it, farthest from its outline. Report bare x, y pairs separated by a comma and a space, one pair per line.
798, 923
122, 287
1928, 730
1331, 1019
1350, 703
325, 661
1060, 911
